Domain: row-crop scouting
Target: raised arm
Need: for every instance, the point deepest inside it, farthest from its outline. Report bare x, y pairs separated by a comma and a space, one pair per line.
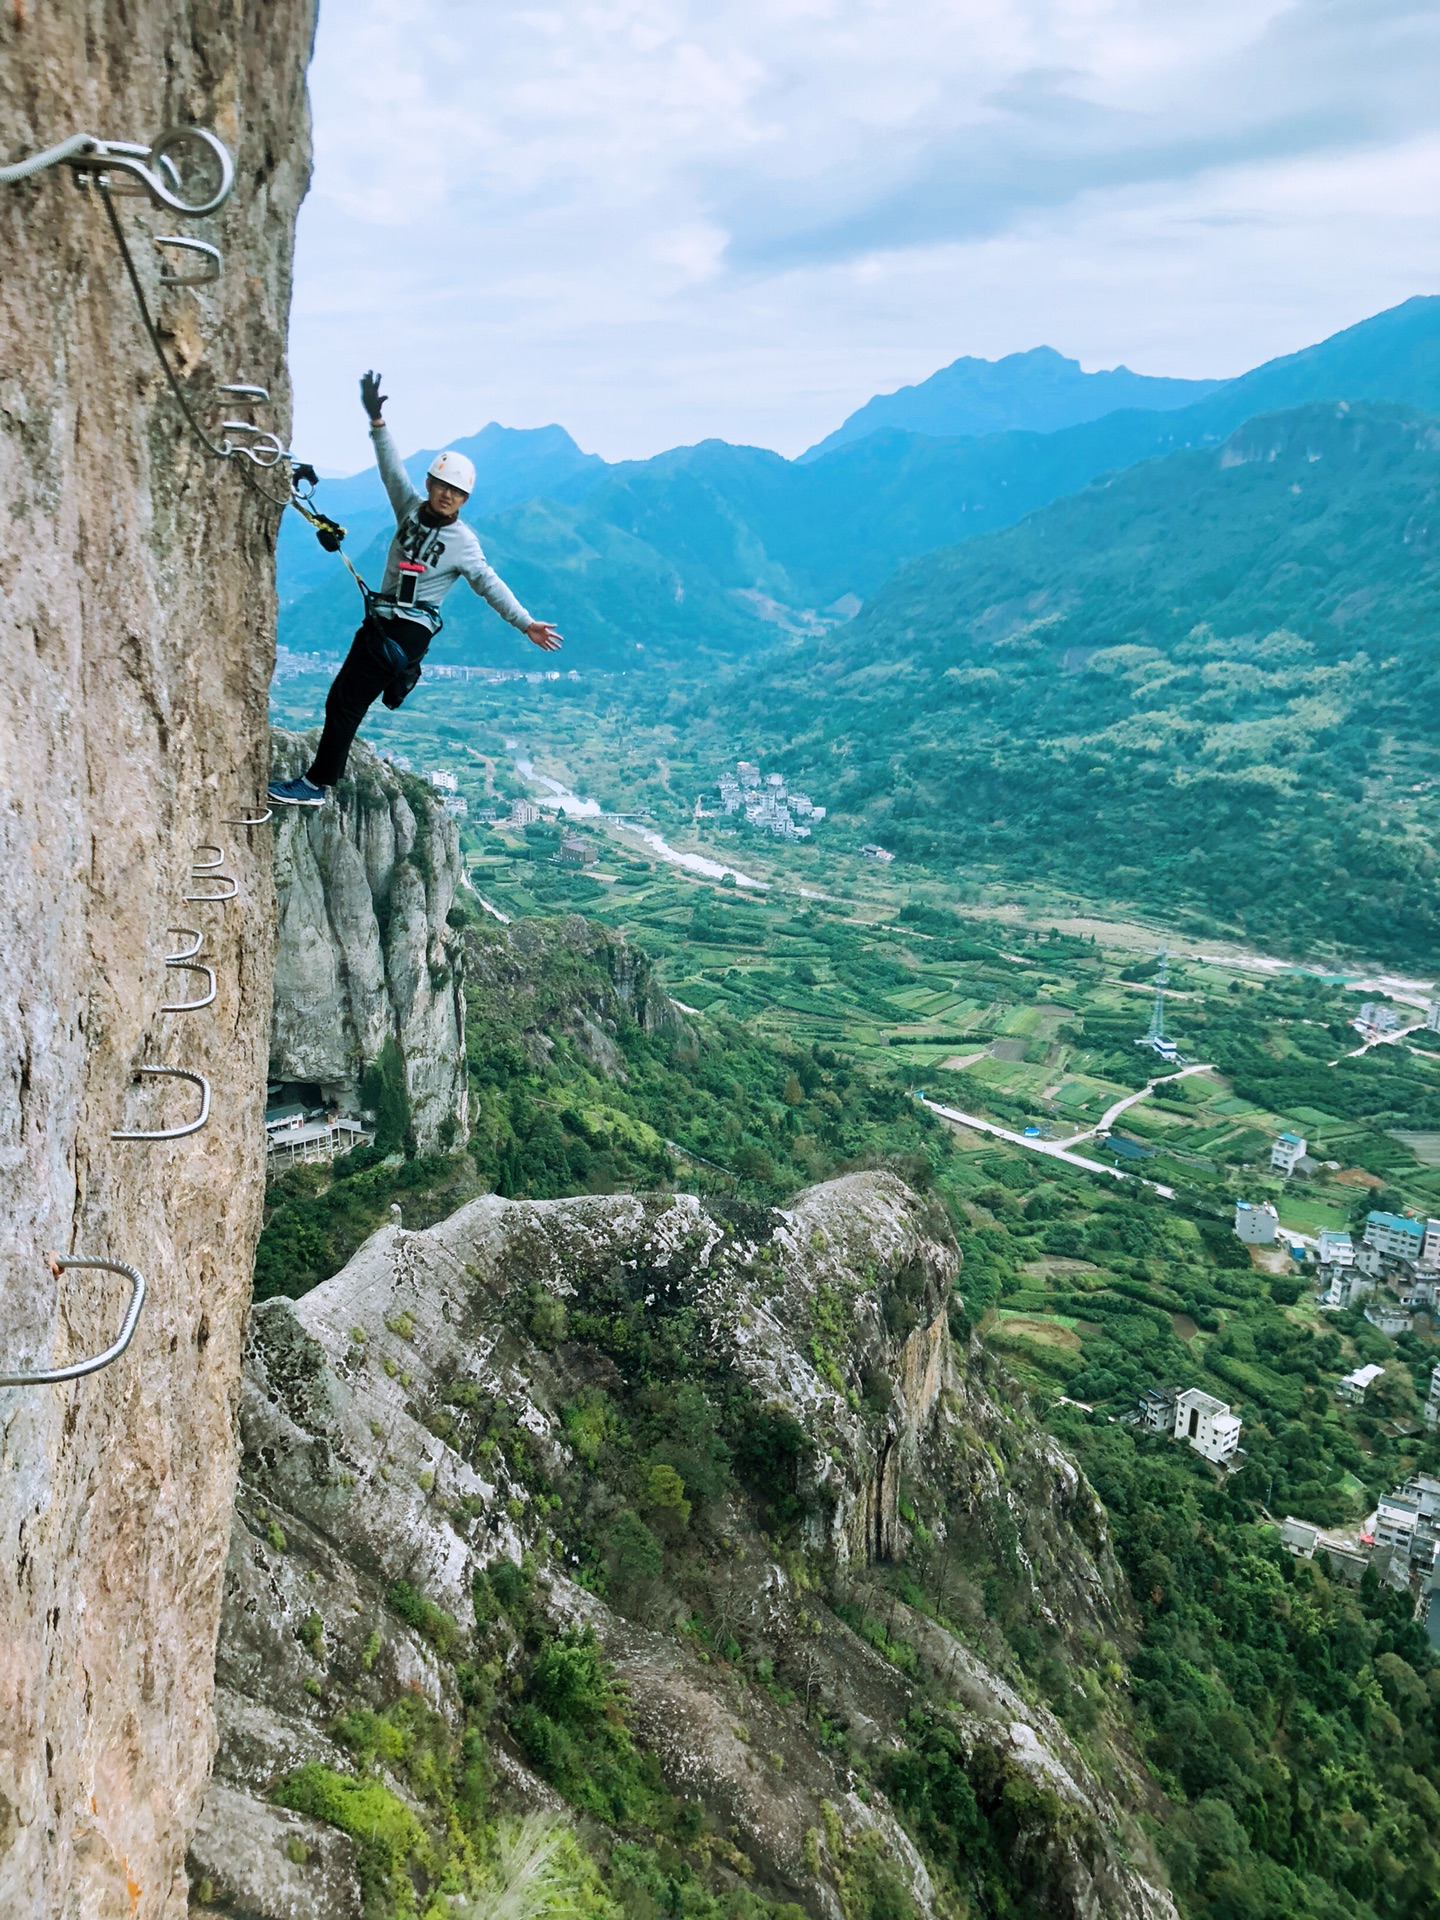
403, 497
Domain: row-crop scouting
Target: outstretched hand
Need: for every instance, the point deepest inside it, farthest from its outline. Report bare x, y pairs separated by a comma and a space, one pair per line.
371, 398
544, 636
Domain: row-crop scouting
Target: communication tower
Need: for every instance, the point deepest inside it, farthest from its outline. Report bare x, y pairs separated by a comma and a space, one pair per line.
1154, 1035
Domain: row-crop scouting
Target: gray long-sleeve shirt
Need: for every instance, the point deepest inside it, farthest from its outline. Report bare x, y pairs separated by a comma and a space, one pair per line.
444, 555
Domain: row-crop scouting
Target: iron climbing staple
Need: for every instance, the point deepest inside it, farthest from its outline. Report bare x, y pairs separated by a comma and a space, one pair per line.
212, 899
192, 1006
56, 1376
158, 170
170, 1133
206, 267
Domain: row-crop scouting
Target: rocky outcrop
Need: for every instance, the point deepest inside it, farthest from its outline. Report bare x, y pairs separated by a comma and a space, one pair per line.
827, 1321
136, 645
365, 953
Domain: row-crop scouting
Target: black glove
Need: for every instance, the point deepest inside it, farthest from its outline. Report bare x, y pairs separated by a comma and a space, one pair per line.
371, 398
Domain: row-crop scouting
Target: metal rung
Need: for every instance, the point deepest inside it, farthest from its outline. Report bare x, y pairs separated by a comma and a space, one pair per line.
55, 1376
185, 953
170, 1133
126, 160
199, 899
208, 267
246, 389
264, 450
191, 1006
208, 866
258, 821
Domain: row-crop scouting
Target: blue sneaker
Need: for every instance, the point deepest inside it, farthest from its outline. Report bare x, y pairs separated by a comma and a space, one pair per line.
296, 793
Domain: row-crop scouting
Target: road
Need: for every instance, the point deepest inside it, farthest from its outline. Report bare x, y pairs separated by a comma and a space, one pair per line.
1060, 1150
1052, 1149
1112, 1114
1380, 1040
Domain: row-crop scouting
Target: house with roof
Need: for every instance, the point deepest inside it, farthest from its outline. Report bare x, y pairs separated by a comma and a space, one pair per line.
1287, 1153
1389, 1317
1207, 1425
1155, 1412
1395, 1235
1340, 1554
1355, 1385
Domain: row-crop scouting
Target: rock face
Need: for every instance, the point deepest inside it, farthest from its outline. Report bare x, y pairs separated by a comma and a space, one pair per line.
828, 1320
365, 953
136, 644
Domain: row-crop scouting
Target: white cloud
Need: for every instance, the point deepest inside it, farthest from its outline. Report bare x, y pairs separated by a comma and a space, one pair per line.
654, 220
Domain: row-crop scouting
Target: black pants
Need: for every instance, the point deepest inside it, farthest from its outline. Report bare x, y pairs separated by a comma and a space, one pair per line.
364, 675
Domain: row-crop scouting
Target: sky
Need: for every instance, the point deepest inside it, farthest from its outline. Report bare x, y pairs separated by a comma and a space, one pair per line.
657, 221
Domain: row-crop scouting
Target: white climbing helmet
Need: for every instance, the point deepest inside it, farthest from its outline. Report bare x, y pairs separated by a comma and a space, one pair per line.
455, 470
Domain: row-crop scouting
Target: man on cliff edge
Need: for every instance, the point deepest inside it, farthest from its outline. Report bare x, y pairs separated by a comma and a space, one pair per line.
431, 549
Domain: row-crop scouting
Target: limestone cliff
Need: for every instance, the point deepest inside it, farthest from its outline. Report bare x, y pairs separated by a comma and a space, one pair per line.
136, 644
482, 1409
365, 953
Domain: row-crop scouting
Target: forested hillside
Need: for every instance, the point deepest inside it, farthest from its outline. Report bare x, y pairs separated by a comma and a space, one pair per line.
1204, 683
721, 549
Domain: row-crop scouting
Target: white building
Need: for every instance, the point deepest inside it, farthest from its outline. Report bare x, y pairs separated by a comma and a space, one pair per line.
1432, 1016
1287, 1150
1376, 1017
523, 813
1430, 1245
456, 805
1256, 1226
443, 780
1207, 1425
1342, 1287
1305, 1541
872, 852
1355, 1385
1432, 1401
1335, 1249
1395, 1235
749, 773
1389, 1317
312, 1140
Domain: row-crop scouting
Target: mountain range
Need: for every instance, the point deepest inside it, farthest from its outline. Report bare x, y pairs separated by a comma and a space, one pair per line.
1040, 391
1206, 684
718, 549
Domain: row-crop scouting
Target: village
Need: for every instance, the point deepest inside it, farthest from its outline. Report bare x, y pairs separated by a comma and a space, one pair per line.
766, 802
1394, 1269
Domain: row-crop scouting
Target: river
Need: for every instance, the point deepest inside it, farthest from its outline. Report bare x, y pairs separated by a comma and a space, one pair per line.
579, 807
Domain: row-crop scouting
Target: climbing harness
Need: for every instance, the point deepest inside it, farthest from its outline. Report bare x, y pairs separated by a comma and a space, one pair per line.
170, 1133
56, 1376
